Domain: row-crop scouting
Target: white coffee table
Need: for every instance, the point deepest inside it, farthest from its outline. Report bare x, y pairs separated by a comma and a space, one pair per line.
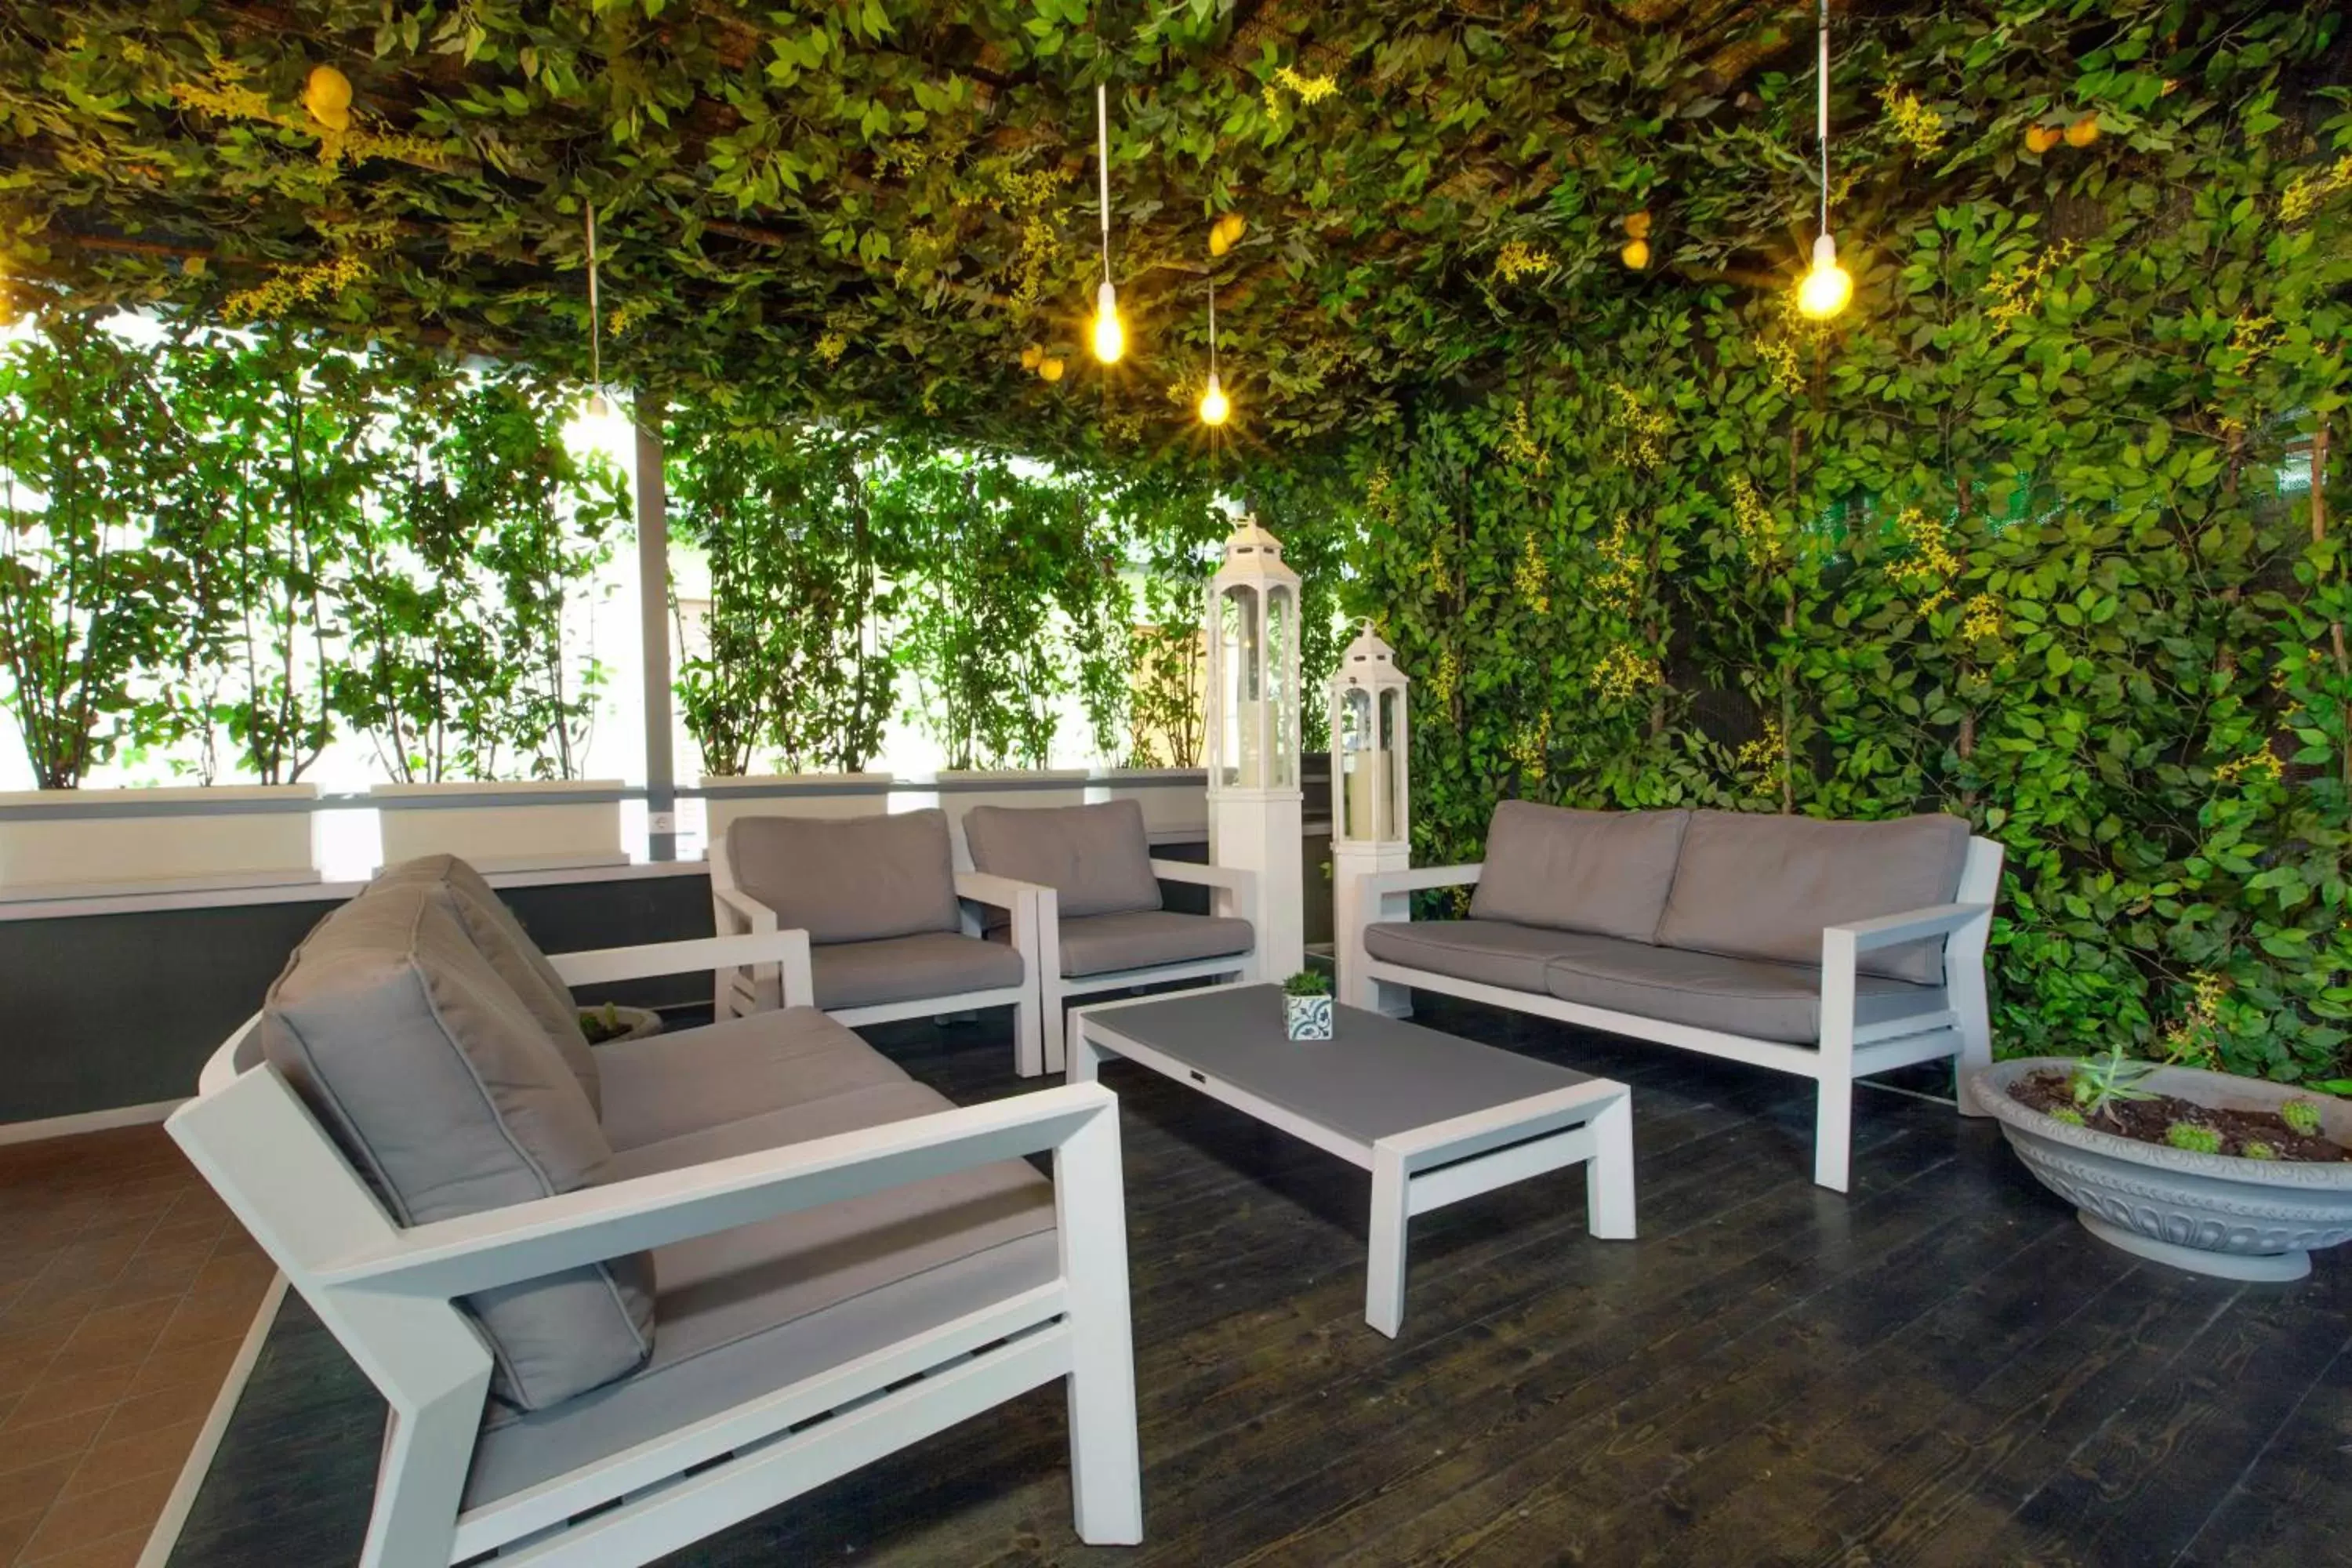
1435, 1118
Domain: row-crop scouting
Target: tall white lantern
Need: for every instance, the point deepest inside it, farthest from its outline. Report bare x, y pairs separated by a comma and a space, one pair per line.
1371, 822
1252, 626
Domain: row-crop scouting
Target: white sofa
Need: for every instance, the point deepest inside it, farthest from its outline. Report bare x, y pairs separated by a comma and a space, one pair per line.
620, 1300
1828, 950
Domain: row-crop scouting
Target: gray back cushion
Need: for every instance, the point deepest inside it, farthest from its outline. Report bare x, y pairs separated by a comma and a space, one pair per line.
511, 950
446, 1095
1753, 886
857, 879
1095, 856
1607, 872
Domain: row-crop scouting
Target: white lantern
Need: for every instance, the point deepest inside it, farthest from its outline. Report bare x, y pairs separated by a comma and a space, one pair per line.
1371, 821
1252, 723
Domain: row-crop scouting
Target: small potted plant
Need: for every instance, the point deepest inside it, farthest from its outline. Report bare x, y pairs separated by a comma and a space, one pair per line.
1307, 1006
612, 1023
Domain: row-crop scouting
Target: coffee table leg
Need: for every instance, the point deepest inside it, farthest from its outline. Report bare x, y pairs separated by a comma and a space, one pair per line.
1082, 1058
1384, 1269
1608, 1178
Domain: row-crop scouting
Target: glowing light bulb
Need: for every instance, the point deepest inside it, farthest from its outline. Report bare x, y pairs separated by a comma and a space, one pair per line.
596, 407
1110, 334
1827, 288
1216, 406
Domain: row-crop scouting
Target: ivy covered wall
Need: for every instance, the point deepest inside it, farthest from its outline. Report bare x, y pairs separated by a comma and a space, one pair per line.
2029, 534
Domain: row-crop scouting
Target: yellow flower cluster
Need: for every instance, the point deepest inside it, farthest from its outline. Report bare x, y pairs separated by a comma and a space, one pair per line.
1769, 752
1980, 619
1531, 747
1617, 585
2303, 197
226, 96
1759, 530
1379, 498
289, 286
1309, 89
1446, 679
1915, 123
1643, 428
2017, 291
628, 314
2197, 1036
1624, 671
1778, 353
1933, 565
1531, 574
1517, 259
1027, 195
1519, 442
831, 347
2253, 335
2265, 762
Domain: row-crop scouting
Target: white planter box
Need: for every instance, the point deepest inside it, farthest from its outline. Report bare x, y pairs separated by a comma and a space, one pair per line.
67, 843
960, 789
534, 826
832, 795
1175, 801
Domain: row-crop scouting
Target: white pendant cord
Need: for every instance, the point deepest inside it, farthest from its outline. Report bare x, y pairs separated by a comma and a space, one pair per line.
1102, 166
1822, 128
1213, 328
595, 314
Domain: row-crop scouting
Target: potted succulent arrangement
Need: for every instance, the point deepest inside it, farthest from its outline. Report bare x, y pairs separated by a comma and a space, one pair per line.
2209, 1172
1307, 1006
612, 1022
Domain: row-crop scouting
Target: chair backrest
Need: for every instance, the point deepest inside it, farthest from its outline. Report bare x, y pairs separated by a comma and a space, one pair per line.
1097, 858
852, 879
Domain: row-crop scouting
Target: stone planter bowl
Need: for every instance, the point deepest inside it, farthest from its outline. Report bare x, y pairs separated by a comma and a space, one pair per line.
2210, 1213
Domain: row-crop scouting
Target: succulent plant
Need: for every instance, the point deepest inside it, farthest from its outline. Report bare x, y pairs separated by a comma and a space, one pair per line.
1307, 983
2099, 1081
2258, 1150
2301, 1116
2196, 1140
2067, 1114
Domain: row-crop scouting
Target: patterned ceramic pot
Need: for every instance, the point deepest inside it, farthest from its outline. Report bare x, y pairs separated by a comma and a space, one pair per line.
2210, 1214
1307, 1017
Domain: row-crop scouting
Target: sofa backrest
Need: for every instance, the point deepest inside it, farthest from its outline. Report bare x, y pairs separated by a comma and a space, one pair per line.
1606, 872
1752, 885
1098, 858
850, 879
444, 1092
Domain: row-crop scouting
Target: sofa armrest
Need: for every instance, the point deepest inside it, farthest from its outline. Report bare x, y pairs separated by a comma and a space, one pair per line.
1422, 879
455, 1257
741, 911
1887, 930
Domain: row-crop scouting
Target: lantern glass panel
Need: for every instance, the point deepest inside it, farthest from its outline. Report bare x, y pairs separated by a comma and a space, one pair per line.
1282, 691
1390, 760
1242, 700
1356, 763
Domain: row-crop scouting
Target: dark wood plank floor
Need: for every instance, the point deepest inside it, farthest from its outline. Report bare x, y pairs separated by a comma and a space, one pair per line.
1940, 1368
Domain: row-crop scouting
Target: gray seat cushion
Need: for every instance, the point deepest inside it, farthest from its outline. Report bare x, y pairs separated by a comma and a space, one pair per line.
857, 879
909, 968
446, 1093
668, 1084
1755, 997
1492, 953
1607, 872
754, 1309
1096, 859
1103, 944
1755, 885
517, 958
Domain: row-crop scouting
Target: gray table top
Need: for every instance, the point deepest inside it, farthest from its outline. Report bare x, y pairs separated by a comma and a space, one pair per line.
1377, 1077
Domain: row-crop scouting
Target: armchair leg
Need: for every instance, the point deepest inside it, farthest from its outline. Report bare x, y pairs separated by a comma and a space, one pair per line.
1056, 1008
1028, 1035
1976, 1043
1833, 1133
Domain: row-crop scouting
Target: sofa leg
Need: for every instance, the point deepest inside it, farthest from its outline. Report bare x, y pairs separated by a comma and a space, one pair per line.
422, 1481
1105, 1461
1833, 1133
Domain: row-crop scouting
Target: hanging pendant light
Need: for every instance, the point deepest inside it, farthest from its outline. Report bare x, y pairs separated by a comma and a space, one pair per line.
1827, 288
1216, 407
1109, 332
595, 407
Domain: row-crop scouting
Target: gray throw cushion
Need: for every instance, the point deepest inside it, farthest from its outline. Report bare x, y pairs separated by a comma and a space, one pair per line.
1096, 857
854, 879
1492, 952
1756, 886
517, 958
1607, 872
446, 1093
1138, 939
1748, 996
909, 968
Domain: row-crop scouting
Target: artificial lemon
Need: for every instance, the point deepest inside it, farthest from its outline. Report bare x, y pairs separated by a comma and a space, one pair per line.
1218, 243
328, 96
2041, 138
2084, 132
1637, 225
1050, 369
1234, 224
1030, 357
1636, 254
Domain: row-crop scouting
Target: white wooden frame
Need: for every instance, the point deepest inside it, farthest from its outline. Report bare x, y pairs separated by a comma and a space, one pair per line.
1235, 888
388, 1295
787, 983
1427, 1167
1846, 1051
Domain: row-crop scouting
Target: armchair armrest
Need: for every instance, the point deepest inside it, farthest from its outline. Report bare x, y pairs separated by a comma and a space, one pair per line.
1421, 879
598, 965
1887, 930
1238, 880
527, 1241
997, 892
